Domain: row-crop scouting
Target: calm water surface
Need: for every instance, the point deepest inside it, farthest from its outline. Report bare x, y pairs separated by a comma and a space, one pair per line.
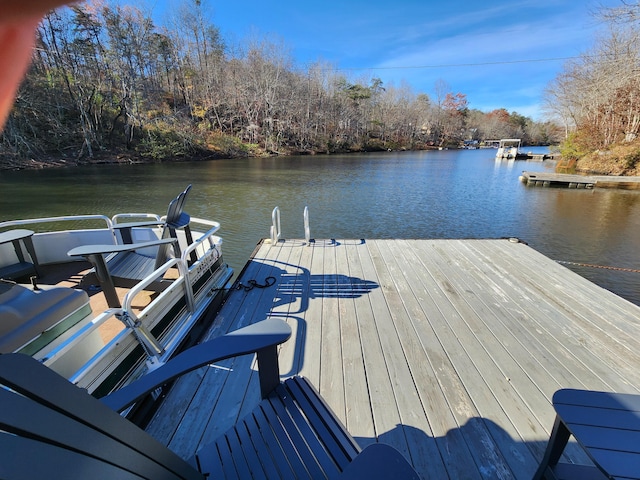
447, 194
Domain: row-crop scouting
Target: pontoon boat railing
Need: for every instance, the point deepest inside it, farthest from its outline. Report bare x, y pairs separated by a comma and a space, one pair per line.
129, 318
79, 336
205, 237
127, 303
205, 243
127, 216
78, 376
71, 218
213, 226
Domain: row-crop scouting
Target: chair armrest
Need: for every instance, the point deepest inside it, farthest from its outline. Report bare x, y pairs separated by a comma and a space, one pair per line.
262, 338
379, 461
86, 250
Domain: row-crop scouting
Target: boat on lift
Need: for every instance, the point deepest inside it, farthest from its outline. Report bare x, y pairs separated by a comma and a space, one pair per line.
508, 148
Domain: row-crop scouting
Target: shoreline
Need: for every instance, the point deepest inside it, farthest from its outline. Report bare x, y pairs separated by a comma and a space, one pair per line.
123, 158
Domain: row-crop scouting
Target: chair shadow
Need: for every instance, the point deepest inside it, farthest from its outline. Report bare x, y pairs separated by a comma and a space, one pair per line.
305, 286
292, 292
478, 449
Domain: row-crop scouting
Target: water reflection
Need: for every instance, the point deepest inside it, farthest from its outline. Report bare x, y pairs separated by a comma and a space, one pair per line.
448, 194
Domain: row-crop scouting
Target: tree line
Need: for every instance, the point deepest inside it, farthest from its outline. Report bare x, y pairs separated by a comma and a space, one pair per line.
106, 80
597, 95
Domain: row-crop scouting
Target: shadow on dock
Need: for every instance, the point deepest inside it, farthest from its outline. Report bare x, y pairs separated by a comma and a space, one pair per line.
304, 286
466, 449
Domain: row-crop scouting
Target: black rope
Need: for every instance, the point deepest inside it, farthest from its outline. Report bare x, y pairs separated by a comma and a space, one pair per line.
251, 284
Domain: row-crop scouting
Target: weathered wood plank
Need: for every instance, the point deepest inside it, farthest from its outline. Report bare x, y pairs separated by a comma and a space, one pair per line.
573, 318
482, 408
496, 371
549, 323
485, 351
308, 352
331, 374
273, 258
474, 381
290, 353
376, 330
430, 421
357, 403
580, 181
448, 350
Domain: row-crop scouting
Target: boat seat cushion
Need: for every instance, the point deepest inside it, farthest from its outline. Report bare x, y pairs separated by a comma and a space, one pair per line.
26, 313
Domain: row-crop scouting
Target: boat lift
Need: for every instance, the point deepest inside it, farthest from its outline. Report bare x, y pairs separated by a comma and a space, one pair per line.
508, 148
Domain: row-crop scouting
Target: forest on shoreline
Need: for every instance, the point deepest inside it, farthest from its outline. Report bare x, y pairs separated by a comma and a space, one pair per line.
107, 85
597, 97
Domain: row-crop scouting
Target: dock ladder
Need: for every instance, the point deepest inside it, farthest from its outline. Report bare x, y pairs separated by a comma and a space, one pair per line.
276, 229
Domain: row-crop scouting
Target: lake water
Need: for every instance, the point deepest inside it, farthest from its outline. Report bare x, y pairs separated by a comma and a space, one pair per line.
434, 194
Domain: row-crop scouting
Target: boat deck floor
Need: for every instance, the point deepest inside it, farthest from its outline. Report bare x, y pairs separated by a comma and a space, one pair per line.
78, 275
449, 350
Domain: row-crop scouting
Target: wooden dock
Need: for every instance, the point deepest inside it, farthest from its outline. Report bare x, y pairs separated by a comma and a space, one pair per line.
449, 350
543, 179
537, 157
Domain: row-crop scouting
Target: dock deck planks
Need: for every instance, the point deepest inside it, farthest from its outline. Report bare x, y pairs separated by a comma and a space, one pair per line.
449, 350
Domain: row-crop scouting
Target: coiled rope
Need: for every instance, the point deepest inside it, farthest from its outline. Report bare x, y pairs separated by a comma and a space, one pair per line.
605, 267
251, 284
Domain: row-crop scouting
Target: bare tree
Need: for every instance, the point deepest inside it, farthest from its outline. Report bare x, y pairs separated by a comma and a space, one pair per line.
599, 94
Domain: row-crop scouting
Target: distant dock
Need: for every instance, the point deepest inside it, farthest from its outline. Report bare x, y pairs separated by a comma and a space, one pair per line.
539, 157
542, 179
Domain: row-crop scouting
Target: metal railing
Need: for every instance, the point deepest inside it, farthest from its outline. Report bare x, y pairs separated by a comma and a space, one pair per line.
276, 231
307, 231
68, 218
138, 216
156, 352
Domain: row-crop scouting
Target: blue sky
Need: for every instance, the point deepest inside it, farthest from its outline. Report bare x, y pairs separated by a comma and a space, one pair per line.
423, 42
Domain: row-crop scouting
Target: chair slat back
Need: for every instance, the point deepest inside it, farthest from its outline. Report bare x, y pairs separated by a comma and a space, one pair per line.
176, 208
176, 218
65, 421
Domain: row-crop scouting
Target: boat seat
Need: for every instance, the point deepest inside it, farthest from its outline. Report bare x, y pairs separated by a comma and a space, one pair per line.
17, 271
133, 267
121, 265
27, 314
175, 219
126, 265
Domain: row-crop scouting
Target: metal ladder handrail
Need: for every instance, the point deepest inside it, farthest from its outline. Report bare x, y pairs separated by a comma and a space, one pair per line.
307, 231
276, 230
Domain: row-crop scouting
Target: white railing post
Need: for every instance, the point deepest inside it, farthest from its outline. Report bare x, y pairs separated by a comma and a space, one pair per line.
275, 225
307, 231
